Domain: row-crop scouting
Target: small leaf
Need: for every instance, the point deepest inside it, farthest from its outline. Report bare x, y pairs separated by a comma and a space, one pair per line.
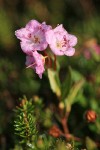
69, 100
76, 76
54, 81
90, 144
66, 85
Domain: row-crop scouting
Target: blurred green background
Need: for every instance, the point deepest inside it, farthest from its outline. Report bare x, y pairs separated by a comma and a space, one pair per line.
79, 17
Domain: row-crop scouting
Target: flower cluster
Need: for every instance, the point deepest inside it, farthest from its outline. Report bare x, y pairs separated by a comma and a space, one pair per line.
37, 36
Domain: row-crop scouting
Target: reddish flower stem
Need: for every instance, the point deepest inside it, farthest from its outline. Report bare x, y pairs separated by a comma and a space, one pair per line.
55, 66
49, 61
64, 125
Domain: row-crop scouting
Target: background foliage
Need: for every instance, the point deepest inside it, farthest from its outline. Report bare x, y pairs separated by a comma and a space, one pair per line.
79, 17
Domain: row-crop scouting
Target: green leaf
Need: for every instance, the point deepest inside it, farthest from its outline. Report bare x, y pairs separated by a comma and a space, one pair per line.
54, 82
69, 100
61, 145
17, 147
90, 144
75, 75
66, 85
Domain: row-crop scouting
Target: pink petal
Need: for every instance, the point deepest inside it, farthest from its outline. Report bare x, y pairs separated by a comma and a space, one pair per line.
56, 50
39, 63
29, 61
59, 28
31, 25
70, 51
36, 62
46, 27
22, 33
49, 35
26, 47
39, 70
72, 40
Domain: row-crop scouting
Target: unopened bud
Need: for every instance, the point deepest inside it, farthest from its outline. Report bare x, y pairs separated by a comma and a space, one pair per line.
36, 98
40, 143
22, 102
90, 116
55, 131
61, 105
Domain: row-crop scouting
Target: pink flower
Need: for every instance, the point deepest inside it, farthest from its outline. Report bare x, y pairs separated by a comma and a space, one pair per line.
91, 48
33, 36
97, 49
60, 42
36, 62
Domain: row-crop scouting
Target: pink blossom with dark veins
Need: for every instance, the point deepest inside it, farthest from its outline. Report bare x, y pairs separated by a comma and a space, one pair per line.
60, 42
36, 61
33, 36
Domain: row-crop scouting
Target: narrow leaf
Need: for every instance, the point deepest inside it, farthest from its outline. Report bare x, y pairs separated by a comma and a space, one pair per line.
69, 100
54, 81
66, 85
90, 144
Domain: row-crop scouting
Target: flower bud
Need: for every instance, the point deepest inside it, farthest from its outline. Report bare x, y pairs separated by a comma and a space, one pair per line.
61, 105
90, 116
55, 131
22, 102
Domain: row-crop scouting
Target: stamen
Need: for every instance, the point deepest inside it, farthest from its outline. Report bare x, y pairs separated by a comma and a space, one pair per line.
31, 65
48, 60
45, 57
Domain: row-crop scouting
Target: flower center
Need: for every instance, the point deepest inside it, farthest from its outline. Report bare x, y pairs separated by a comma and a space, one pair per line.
35, 39
59, 45
62, 43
